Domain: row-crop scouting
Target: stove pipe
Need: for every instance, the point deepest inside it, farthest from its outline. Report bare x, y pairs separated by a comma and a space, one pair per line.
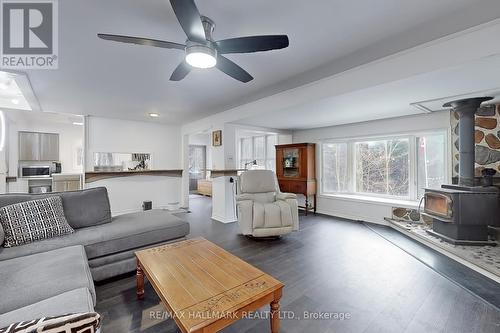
466, 109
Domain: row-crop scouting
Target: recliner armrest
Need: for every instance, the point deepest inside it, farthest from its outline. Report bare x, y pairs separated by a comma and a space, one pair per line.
244, 196
284, 196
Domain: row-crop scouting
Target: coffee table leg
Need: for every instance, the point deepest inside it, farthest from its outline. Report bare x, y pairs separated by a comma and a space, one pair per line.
275, 315
140, 281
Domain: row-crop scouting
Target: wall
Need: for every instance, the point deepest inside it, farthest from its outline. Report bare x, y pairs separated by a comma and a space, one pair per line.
164, 142
361, 208
222, 157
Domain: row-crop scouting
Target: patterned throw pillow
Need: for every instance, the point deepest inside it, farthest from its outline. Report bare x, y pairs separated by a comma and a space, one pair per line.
30, 221
70, 323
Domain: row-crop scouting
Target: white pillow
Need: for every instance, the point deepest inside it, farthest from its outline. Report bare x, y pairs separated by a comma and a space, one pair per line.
34, 220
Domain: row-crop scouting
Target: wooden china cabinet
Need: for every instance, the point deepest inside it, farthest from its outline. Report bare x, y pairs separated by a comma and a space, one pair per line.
296, 170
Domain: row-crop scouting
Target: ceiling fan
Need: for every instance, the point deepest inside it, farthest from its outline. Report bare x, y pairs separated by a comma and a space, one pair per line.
202, 51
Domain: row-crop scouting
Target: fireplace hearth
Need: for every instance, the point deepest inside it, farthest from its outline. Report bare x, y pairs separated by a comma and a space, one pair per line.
462, 213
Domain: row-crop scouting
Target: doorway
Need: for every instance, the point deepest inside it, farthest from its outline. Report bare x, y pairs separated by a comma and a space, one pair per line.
197, 166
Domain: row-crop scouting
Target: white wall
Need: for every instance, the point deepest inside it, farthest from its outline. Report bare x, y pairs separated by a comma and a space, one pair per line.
163, 142
125, 136
356, 208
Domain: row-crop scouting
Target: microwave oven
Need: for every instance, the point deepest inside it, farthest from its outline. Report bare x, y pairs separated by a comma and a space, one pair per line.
34, 171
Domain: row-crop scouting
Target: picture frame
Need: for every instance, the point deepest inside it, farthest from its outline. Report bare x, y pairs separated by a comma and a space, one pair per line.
217, 138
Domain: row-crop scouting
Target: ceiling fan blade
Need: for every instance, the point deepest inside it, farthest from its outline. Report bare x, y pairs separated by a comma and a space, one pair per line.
233, 70
252, 44
190, 20
142, 41
181, 71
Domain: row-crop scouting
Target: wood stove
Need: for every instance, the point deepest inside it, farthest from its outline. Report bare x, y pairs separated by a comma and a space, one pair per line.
461, 213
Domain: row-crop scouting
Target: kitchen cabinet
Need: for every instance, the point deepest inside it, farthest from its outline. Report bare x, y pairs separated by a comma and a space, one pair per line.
34, 146
66, 182
29, 146
49, 147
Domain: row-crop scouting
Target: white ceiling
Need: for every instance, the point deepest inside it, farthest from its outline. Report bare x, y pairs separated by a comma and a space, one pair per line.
30, 117
392, 99
11, 95
97, 77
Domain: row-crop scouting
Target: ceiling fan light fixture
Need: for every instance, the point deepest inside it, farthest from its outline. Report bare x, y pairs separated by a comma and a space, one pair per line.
201, 56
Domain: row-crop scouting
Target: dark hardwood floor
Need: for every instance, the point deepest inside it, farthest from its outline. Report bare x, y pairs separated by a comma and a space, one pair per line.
331, 265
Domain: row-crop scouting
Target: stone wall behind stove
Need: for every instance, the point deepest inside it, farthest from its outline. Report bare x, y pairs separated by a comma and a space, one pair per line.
487, 137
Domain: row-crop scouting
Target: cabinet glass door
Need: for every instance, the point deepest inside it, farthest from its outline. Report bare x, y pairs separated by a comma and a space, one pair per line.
291, 162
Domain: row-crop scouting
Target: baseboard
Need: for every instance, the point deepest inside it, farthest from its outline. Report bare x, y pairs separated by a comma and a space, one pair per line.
354, 217
223, 219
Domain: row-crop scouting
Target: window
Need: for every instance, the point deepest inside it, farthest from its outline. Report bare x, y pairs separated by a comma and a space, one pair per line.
259, 148
271, 142
399, 167
382, 167
431, 152
246, 151
335, 167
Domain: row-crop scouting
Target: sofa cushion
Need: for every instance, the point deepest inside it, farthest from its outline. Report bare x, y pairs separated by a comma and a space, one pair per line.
88, 322
74, 301
82, 208
30, 279
87, 208
31, 221
125, 232
135, 230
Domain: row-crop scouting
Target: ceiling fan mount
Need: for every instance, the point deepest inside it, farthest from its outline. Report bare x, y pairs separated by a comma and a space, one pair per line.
202, 51
208, 26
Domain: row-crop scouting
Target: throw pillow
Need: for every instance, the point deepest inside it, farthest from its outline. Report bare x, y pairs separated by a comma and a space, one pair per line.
30, 221
77, 322
2, 235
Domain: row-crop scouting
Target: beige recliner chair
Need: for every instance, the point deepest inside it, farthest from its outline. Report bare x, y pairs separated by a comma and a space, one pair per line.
263, 211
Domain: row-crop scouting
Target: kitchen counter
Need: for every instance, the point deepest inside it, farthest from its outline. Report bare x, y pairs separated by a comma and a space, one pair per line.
214, 173
36, 178
92, 176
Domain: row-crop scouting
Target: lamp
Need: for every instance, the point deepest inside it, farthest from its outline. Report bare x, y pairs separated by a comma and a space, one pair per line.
201, 56
254, 162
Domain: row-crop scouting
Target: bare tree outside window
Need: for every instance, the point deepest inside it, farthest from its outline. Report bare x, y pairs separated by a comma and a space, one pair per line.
385, 167
382, 167
335, 167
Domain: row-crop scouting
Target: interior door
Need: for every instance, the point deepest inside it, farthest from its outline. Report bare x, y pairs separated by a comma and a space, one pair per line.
197, 165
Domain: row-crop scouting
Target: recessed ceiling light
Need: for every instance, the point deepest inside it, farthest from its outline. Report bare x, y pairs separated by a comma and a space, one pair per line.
3, 86
154, 115
15, 101
76, 123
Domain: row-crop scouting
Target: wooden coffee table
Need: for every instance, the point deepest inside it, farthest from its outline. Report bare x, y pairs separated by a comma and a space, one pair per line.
204, 287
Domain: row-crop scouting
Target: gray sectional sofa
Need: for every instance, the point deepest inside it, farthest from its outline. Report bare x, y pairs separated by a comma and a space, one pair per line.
55, 276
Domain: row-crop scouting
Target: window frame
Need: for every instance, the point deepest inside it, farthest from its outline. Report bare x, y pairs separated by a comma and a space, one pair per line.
268, 156
412, 160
